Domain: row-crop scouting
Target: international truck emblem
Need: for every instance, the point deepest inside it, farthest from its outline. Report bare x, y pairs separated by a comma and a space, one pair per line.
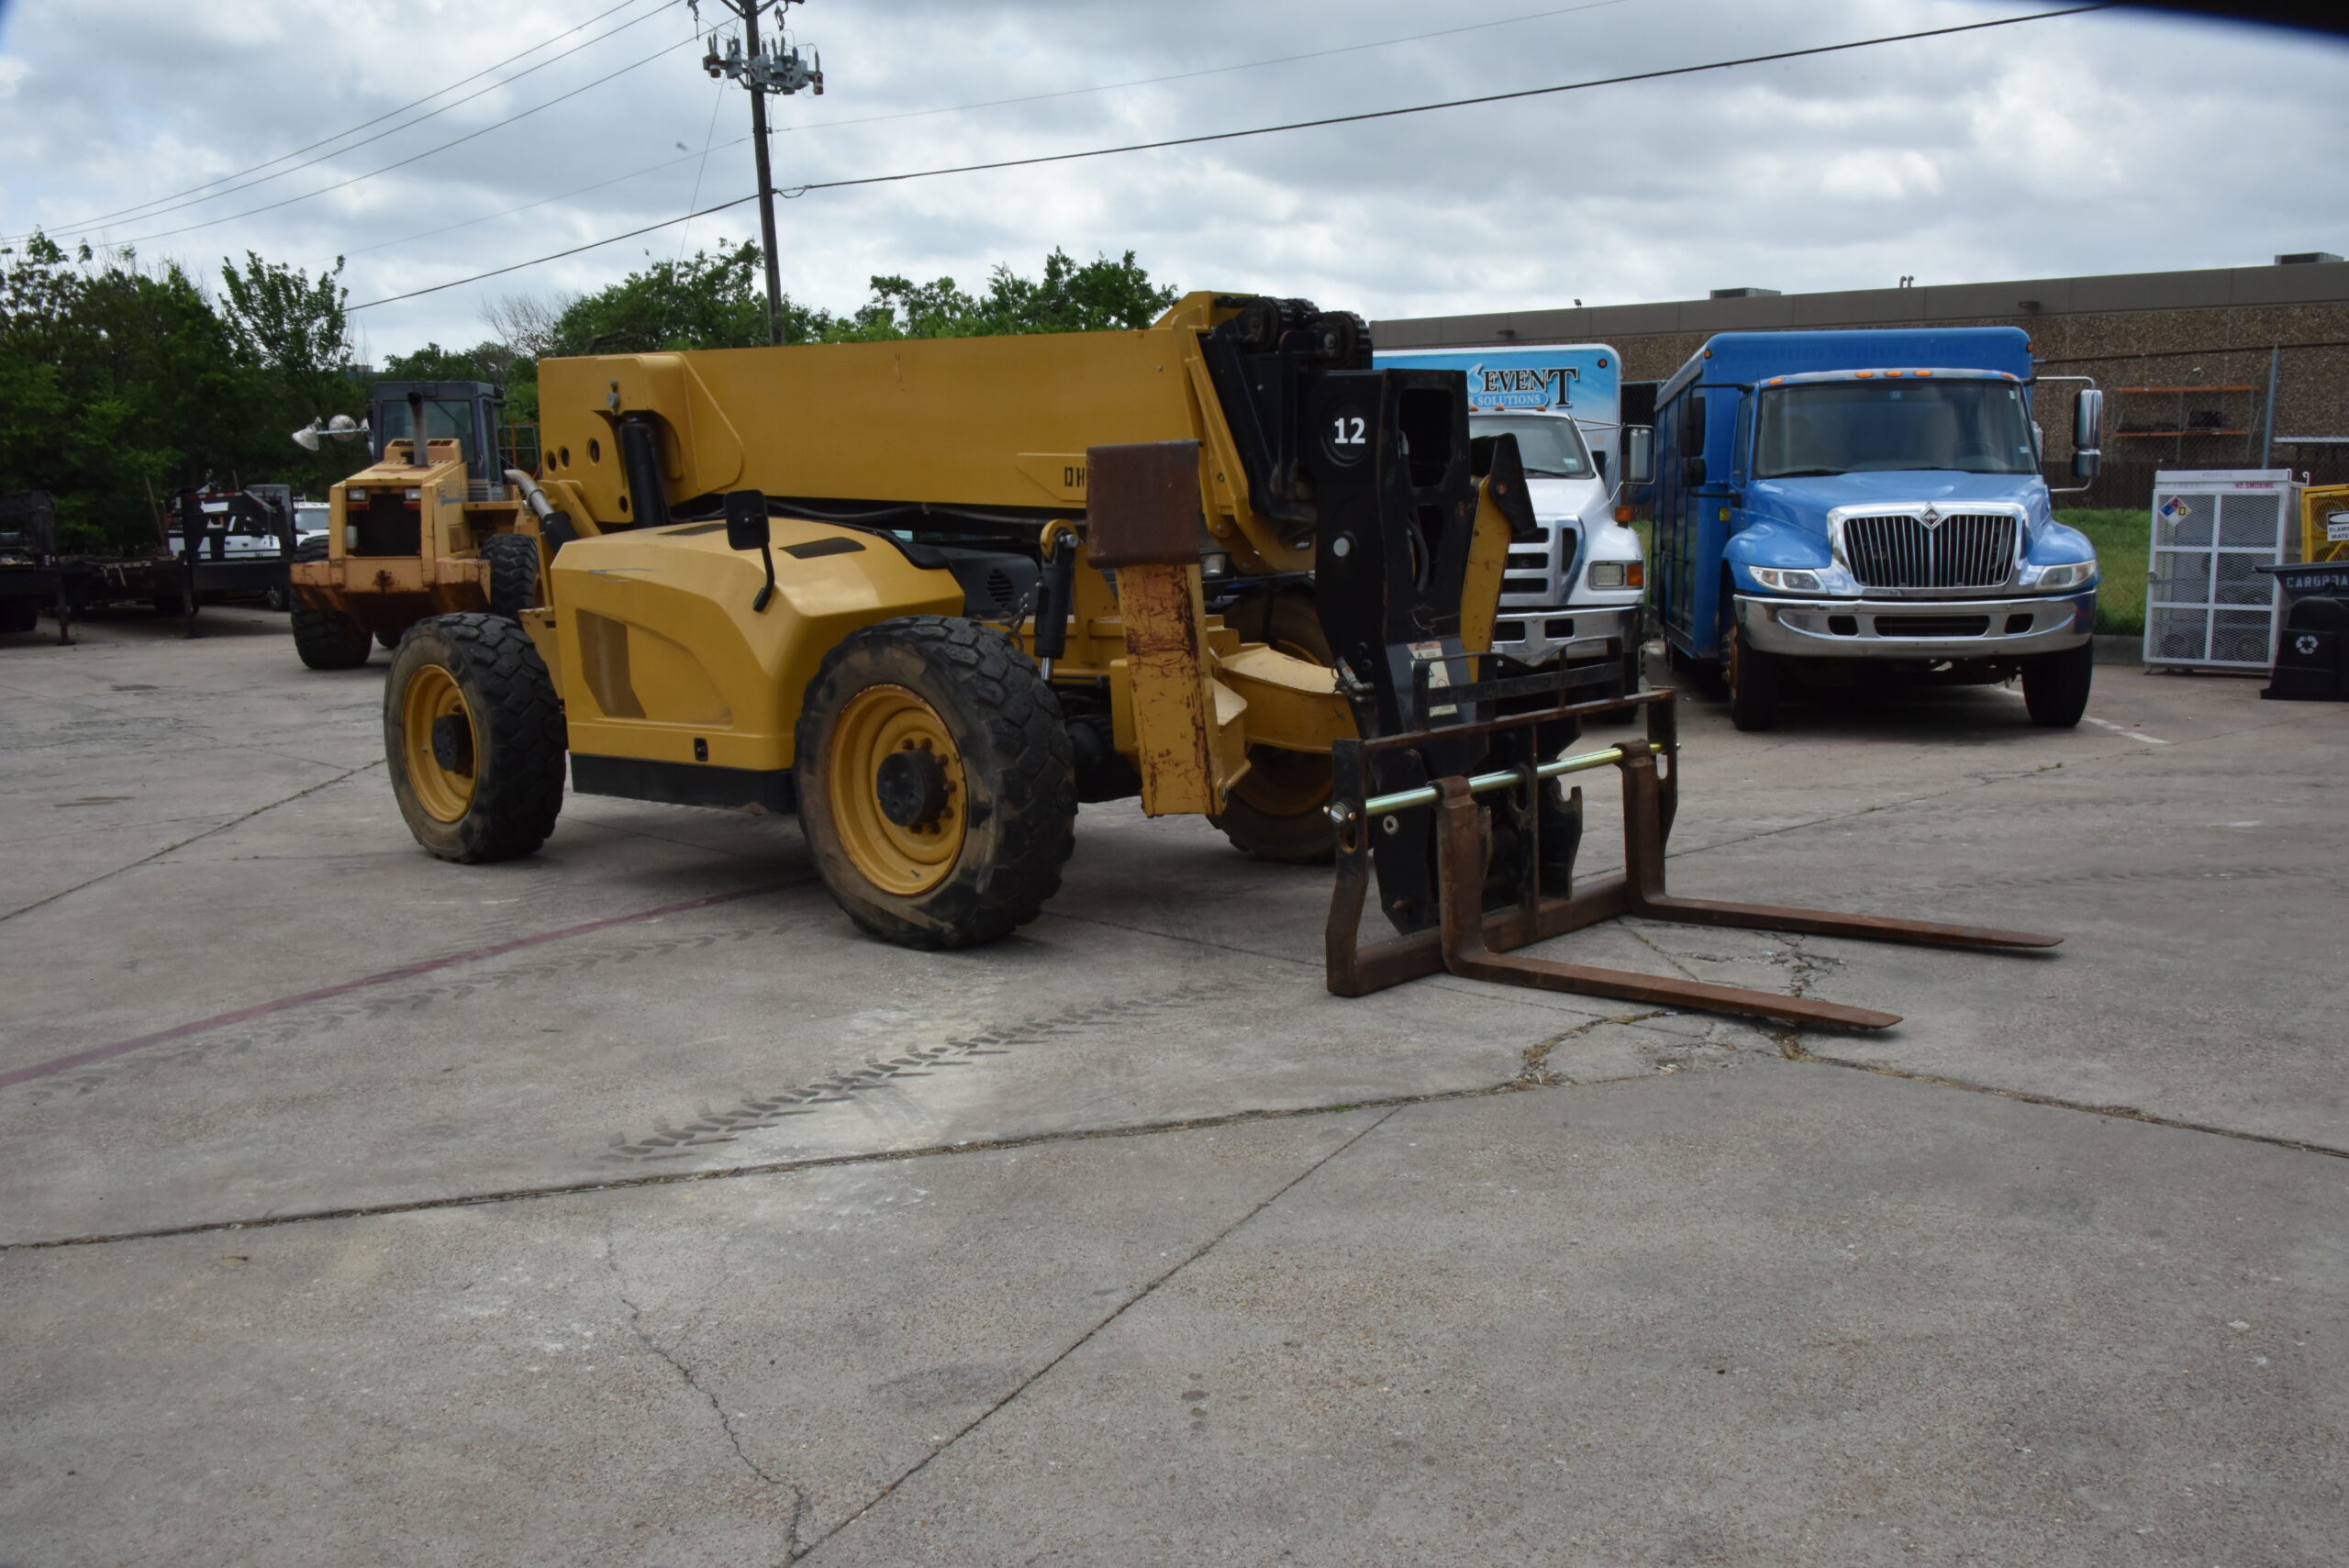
1931, 518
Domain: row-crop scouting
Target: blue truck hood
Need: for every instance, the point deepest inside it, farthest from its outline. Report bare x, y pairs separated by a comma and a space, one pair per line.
1784, 521
1813, 497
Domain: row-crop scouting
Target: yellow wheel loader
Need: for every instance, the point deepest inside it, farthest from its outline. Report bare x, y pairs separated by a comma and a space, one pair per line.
929, 595
427, 529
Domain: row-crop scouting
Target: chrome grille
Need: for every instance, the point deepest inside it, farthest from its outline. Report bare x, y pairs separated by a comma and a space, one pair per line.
1967, 550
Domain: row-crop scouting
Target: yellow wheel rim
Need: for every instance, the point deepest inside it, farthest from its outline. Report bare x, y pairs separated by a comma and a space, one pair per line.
1287, 784
444, 792
904, 828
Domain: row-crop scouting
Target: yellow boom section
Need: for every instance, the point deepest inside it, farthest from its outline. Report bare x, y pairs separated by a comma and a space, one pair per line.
972, 422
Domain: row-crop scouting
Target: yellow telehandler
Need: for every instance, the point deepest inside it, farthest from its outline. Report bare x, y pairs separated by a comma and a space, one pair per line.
929, 595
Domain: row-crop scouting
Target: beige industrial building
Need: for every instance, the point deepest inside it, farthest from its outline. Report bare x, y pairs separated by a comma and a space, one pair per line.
2232, 367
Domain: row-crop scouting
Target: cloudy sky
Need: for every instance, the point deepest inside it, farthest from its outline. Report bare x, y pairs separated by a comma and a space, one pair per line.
2115, 141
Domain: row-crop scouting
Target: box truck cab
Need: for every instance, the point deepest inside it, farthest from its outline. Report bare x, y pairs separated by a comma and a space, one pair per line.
1577, 594
1835, 506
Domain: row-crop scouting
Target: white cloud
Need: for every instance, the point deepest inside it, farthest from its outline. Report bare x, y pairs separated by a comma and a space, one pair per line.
2108, 142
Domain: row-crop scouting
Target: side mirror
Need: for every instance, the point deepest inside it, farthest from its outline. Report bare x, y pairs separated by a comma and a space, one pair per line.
746, 520
747, 529
1692, 471
2087, 433
1638, 455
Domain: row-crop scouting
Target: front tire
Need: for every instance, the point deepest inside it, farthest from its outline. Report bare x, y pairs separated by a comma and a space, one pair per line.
474, 738
328, 639
1279, 809
513, 573
936, 786
2056, 686
1753, 679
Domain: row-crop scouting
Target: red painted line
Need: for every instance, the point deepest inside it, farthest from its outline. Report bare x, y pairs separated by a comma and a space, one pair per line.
406, 971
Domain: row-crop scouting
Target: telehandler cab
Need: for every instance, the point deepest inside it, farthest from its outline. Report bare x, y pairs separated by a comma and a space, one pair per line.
424, 531
931, 595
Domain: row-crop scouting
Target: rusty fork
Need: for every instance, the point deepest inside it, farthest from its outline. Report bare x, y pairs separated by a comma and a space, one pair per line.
1469, 940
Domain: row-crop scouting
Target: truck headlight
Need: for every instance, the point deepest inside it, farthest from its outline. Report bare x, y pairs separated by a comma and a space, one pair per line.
1787, 580
2066, 574
1617, 574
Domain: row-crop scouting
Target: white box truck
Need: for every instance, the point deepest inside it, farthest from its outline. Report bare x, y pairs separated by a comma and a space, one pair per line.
1577, 594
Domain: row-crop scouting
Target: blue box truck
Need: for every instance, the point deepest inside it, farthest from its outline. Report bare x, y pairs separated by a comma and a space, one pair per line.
1834, 506
1576, 594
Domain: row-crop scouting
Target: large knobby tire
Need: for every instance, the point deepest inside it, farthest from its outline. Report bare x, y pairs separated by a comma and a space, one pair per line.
936, 786
474, 738
388, 640
1752, 680
513, 573
328, 639
2056, 686
1279, 809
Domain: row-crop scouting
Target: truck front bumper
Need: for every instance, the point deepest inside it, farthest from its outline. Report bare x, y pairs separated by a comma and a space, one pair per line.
1536, 637
1915, 629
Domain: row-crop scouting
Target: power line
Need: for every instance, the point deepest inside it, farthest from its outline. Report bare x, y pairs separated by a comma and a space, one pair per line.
1260, 131
412, 158
1215, 69
173, 203
996, 104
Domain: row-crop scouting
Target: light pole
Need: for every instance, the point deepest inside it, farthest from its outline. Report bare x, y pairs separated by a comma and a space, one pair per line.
777, 68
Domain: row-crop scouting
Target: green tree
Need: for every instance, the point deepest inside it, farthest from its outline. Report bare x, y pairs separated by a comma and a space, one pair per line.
1100, 296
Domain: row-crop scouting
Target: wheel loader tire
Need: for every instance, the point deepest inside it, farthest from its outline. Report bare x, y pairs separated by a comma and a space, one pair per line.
328, 639
1278, 810
473, 738
387, 639
2056, 686
936, 786
513, 573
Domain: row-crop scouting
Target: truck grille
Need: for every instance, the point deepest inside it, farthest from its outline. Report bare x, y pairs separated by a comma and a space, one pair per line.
1967, 550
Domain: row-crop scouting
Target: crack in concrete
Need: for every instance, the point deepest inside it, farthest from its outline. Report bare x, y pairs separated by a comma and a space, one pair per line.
1088, 1337
692, 1380
195, 838
1808, 967
1536, 1073
764, 1168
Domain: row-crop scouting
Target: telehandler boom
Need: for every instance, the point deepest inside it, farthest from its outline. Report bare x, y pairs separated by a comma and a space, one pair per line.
931, 595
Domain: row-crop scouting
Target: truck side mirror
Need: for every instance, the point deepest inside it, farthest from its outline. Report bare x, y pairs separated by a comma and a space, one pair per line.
1638, 455
2087, 433
747, 529
1692, 470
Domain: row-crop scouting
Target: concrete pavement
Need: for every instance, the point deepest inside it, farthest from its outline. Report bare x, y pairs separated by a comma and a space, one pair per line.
622, 1205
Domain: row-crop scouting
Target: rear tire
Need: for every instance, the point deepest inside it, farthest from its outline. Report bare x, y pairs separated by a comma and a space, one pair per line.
1753, 679
473, 738
387, 639
513, 573
2056, 686
965, 841
328, 639
1279, 809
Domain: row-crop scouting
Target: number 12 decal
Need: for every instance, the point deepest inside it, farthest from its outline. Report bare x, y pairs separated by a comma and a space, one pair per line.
1347, 431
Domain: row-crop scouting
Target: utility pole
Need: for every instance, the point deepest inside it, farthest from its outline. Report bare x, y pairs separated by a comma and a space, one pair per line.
778, 68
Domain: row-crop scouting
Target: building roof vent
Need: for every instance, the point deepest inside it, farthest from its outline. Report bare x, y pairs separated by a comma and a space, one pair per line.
2301, 258
1744, 294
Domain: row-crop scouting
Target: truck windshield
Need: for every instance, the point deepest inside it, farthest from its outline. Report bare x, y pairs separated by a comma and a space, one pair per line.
1550, 446
1969, 426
